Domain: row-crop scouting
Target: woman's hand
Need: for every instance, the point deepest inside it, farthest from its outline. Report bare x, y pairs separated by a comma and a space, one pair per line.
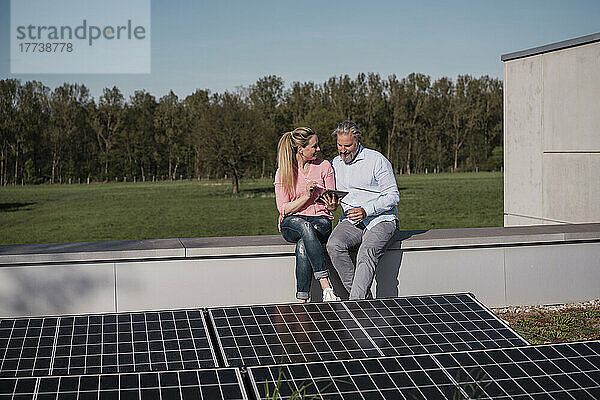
310, 186
331, 201
293, 206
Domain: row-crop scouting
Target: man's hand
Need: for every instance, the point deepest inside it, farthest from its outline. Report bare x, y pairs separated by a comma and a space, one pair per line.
331, 201
356, 214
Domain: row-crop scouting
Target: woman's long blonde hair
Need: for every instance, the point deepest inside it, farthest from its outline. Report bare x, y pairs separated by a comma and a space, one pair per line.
286, 155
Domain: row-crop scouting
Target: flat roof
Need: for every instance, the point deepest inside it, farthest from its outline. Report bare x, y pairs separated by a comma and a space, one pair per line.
565, 44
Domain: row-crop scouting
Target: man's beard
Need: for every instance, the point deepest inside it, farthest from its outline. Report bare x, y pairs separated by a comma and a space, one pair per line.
349, 157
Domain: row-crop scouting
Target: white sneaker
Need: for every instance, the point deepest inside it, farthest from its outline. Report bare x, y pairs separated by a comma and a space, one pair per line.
329, 295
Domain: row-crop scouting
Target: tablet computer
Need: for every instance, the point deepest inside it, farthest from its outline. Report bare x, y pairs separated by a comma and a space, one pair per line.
339, 193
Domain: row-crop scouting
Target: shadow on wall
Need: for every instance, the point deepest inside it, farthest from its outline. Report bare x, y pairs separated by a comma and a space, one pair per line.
386, 276
54, 290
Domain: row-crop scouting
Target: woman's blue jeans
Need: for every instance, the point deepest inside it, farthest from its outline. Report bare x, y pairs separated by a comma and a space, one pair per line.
309, 234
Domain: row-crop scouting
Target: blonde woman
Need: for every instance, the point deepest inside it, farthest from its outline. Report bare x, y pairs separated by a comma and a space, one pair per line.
299, 180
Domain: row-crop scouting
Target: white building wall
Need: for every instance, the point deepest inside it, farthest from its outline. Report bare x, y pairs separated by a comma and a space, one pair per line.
552, 137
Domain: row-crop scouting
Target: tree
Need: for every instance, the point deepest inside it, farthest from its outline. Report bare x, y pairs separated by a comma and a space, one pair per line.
32, 120
197, 120
8, 122
137, 140
235, 126
341, 94
492, 114
460, 117
438, 119
266, 97
168, 123
107, 123
415, 89
69, 106
298, 101
376, 113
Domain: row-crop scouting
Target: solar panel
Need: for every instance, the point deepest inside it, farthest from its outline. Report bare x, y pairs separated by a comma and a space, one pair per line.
568, 370
261, 335
556, 371
26, 345
223, 383
432, 324
105, 343
409, 377
279, 334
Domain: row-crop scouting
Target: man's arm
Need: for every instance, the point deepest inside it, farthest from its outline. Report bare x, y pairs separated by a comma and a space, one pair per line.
389, 197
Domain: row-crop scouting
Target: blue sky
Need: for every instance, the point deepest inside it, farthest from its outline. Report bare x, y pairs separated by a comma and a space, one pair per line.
221, 45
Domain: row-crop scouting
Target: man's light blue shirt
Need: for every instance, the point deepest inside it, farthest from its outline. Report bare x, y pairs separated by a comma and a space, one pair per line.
370, 182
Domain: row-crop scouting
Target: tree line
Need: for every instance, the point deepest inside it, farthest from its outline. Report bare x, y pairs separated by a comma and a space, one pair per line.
66, 136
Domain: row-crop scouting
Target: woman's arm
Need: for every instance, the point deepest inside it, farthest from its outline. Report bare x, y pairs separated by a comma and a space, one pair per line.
293, 206
282, 198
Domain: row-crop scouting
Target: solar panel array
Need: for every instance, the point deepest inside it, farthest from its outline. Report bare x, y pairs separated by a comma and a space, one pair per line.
442, 346
280, 334
558, 371
108, 343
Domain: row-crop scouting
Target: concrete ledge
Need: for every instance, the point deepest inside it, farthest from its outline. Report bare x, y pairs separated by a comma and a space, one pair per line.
275, 245
497, 236
237, 245
90, 251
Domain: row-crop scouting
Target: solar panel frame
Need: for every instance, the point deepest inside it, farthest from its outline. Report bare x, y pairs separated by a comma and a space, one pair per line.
106, 343
214, 383
240, 331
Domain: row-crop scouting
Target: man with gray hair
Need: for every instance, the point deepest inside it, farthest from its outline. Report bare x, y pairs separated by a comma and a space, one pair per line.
370, 210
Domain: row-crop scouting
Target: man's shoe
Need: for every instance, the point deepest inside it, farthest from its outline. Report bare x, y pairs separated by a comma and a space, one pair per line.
329, 295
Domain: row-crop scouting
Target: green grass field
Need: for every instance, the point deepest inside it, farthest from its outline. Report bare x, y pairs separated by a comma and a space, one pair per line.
119, 211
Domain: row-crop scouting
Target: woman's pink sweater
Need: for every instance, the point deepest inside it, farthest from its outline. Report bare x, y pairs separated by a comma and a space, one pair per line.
321, 172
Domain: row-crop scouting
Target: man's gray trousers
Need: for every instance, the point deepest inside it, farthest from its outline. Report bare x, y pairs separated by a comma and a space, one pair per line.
371, 245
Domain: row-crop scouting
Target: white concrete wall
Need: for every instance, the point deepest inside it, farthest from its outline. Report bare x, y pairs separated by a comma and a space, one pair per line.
204, 282
552, 137
57, 289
